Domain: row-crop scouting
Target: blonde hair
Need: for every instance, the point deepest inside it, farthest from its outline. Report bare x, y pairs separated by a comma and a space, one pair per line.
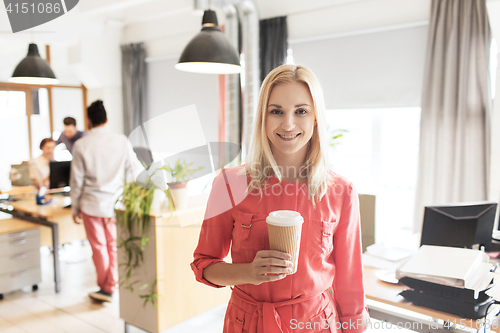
260, 162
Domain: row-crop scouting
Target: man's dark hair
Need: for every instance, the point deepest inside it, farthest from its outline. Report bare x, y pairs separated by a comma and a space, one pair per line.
69, 121
45, 141
96, 113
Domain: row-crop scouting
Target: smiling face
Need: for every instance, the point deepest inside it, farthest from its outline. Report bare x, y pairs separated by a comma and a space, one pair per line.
289, 120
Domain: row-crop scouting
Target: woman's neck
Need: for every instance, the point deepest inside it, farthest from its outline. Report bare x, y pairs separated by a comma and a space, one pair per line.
291, 167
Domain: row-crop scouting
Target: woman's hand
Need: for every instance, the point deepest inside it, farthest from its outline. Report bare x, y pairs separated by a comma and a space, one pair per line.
269, 265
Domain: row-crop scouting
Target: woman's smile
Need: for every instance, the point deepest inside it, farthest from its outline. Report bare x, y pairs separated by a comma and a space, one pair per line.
288, 137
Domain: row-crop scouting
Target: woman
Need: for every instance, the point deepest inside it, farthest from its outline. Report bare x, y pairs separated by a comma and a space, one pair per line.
285, 170
40, 167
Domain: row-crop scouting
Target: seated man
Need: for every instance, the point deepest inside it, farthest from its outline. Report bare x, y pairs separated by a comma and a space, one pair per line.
40, 167
70, 134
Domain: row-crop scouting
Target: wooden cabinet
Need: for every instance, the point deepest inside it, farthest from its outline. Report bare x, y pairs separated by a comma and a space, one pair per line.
167, 259
19, 255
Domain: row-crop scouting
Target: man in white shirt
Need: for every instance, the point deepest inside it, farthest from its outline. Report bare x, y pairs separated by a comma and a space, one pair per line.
101, 162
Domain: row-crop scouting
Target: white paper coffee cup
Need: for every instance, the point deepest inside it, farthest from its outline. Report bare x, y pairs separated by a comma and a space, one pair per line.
284, 228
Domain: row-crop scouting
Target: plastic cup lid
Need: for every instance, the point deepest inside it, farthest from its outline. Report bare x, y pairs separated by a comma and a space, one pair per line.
284, 218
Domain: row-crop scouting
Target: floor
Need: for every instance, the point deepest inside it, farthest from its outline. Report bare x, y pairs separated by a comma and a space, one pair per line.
71, 310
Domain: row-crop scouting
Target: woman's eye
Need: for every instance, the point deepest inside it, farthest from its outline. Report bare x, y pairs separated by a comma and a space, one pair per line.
301, 111
276, 111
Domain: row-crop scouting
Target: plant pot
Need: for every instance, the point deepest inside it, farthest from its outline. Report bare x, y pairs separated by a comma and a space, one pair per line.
179, 194
134, 274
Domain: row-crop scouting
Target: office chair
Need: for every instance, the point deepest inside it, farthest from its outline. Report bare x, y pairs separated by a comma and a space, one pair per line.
367, 215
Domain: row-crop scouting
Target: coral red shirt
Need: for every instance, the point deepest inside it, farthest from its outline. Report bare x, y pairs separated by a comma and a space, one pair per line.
326, 294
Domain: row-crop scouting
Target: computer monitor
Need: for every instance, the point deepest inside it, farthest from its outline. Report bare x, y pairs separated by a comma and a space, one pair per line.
59, 174
459, 225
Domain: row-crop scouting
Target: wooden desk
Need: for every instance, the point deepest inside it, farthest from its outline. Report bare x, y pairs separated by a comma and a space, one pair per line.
54, 216
19, 190
55, 213
387, 293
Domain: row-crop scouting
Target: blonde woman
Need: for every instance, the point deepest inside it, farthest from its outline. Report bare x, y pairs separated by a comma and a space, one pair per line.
286, 169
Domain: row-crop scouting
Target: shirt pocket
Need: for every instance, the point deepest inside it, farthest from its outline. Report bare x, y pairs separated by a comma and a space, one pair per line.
249, 236
326, 320
327, 231
323, 231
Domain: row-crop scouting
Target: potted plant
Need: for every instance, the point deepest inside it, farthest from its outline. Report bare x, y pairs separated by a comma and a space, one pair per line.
179, 174
133, 236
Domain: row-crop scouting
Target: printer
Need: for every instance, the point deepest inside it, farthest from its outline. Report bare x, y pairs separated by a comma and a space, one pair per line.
448, 279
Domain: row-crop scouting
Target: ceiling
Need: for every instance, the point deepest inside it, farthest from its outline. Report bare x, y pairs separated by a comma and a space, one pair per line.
87, 17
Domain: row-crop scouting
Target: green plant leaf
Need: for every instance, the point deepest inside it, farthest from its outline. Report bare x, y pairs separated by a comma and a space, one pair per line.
134, 222
144, 242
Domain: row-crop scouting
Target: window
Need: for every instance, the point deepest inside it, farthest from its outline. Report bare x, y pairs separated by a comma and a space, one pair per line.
14, 126
27, 117
379, 153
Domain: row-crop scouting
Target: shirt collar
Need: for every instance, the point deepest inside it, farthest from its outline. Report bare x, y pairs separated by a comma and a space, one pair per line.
98, 130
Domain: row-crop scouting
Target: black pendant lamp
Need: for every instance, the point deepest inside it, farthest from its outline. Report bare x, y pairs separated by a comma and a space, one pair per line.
33, 69
209, 51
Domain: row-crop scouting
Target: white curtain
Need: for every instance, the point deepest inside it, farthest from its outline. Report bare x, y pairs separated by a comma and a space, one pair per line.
455, 121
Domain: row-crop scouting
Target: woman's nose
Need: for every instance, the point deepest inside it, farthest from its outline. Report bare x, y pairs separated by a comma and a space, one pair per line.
288, 122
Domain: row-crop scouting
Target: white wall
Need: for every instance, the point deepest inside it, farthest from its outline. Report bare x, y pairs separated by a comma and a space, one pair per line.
97, 64
112, 98
170, 89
